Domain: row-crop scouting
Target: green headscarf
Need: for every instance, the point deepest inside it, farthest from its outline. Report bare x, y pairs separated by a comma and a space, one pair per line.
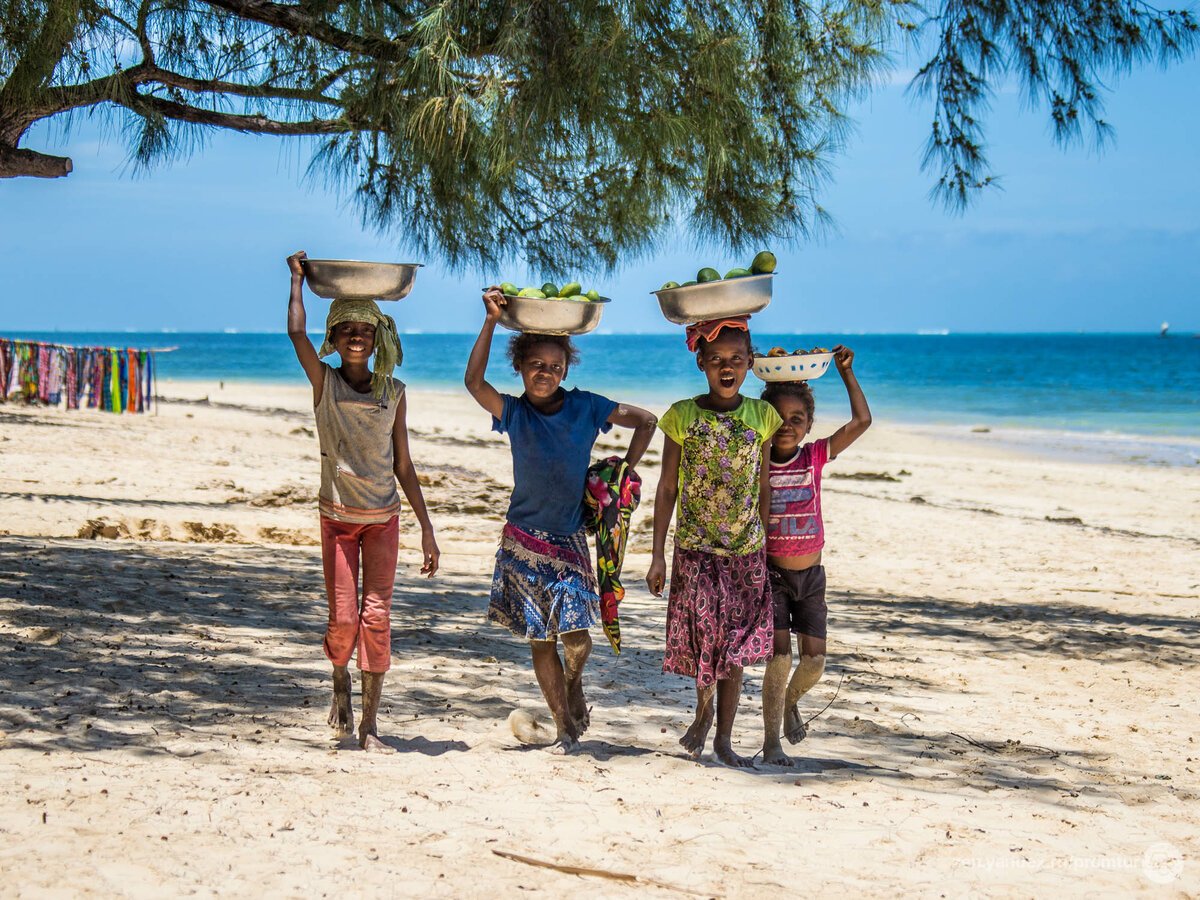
388, 352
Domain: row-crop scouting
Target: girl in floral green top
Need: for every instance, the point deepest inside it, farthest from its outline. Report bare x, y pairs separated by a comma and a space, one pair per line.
719, 615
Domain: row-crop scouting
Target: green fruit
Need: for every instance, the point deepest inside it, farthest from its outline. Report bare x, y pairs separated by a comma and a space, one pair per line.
764, 263
550, 289
708, 273
570, 289
532, 292
686, 283
593, 295
508, 289
668, 285
737, 272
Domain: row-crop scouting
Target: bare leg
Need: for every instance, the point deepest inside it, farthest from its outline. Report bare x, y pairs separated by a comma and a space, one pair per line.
774, 685
577, 646
368, 735
341, 710
549, 670
696, 736
807, 674
729, 693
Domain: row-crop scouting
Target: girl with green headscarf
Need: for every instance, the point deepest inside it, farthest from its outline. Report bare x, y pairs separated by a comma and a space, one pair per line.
360, 415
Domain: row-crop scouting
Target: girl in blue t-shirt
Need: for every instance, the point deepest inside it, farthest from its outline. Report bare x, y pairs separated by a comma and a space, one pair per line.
543, 587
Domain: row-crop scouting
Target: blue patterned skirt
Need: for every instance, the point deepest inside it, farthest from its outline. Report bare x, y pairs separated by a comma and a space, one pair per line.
543, 585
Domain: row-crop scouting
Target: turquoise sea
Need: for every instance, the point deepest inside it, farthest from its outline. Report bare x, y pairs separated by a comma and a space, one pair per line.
1102, 386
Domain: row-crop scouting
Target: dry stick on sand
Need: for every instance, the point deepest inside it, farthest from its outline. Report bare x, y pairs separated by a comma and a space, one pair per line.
597, 873
837, 691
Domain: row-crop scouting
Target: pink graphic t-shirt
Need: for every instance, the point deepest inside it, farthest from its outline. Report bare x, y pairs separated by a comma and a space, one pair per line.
794, 527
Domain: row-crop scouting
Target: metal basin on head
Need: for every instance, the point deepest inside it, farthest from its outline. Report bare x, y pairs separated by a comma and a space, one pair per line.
351, 279
561, 315
688, 304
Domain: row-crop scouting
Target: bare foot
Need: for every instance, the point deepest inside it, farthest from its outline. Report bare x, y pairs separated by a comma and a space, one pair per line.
564, 745
724, 753
577, 705
794, 728
341, 710
370, 742
774, 756
696, 737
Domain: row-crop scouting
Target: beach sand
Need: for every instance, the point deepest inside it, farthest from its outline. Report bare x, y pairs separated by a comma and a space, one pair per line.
1011, 684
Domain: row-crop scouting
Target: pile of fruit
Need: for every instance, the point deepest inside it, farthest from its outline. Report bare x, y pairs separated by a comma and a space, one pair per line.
550, 291
763, 264
779, 351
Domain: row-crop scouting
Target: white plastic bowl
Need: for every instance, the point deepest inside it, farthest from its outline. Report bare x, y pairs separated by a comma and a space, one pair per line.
801, 367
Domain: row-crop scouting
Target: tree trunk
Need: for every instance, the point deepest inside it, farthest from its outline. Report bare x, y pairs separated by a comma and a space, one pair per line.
16, 162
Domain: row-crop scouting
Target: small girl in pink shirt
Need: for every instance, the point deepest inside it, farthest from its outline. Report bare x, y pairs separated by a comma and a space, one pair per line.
795, 536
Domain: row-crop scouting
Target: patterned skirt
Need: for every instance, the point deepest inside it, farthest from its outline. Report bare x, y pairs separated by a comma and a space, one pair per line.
543, 585
719, 614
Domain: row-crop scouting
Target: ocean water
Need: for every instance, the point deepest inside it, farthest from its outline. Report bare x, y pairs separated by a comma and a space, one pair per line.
1105, 385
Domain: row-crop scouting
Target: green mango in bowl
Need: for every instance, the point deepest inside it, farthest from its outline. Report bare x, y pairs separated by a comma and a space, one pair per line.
764, 263
532, 292
708, 273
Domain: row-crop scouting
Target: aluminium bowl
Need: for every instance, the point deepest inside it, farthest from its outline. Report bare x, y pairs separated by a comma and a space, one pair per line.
350, 279
551, 315
799, 367
692, 303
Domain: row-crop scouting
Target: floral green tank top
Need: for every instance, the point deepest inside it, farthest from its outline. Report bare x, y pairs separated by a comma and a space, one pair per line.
719, 470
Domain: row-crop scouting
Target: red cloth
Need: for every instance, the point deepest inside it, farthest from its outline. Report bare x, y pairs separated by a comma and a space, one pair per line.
710, 328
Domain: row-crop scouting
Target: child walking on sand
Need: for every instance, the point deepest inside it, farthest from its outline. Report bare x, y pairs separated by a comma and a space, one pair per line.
795, 536
543, 588
361, 427
719, 611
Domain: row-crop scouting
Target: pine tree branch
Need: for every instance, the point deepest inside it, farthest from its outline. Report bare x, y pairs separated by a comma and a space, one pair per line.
16, 162
253, 124
293, 19
263, 90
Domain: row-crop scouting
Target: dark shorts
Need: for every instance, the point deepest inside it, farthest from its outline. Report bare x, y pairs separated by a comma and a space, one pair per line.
799, 598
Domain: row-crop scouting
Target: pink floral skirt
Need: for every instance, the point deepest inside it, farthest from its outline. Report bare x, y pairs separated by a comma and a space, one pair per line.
719, 614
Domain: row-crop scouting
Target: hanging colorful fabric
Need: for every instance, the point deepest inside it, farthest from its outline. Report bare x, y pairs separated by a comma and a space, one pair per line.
611, 494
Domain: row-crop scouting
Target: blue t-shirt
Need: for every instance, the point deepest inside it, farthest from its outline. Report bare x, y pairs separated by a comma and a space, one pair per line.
551, 455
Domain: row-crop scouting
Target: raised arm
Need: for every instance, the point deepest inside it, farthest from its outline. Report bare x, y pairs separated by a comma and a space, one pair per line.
642, 422
664, 508
485, 395
860, 413
297, 330
406, 475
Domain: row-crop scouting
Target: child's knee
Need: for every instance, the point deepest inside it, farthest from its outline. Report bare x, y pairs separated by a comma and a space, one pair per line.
783, 643
812, 668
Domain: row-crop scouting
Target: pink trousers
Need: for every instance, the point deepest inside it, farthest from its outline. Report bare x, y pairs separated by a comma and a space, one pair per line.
368, 624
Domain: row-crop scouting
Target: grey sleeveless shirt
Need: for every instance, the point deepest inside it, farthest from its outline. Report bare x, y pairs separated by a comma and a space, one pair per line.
358, 483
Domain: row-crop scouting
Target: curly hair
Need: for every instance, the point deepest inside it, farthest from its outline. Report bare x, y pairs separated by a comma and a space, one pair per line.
798, 389
520, 345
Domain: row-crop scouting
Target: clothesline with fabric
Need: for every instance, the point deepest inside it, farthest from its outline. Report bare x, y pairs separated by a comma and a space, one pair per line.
113, 379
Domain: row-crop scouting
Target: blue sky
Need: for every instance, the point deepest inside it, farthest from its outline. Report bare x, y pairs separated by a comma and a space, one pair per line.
1075, 241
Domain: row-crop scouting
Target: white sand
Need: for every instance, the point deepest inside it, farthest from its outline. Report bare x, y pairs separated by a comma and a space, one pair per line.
1016, 711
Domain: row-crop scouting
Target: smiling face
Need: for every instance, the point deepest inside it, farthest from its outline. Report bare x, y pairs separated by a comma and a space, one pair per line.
354, 341
725, 360
543, 367
796, 424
